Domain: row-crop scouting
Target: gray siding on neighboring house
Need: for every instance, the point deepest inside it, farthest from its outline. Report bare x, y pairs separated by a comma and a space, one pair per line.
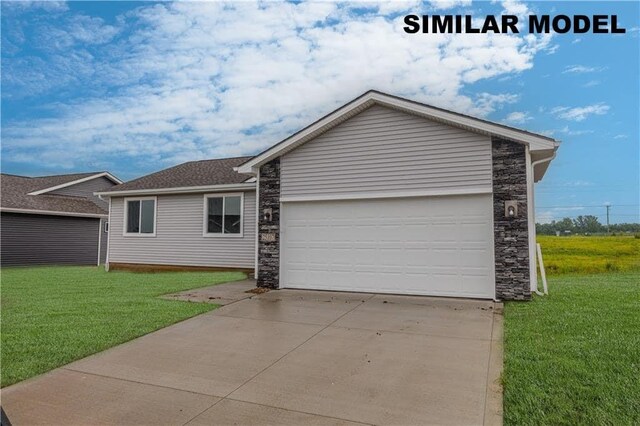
103, 242
86, 189
30, 239
381, 150
179, 239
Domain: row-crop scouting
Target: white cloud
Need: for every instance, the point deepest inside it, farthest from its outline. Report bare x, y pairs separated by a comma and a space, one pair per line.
620, 136
576, 40
581, 69
580, 113
448, 4
194, 80
567, 131
518, 117
591, 83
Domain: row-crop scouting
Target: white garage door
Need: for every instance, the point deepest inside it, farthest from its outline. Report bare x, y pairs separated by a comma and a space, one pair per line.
439, 246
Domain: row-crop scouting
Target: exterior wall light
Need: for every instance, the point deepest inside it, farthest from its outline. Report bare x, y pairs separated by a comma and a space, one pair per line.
511, 208
267, 215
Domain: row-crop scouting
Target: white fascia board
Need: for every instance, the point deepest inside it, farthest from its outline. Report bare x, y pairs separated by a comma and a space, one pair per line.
51, 212
77, 181
180, 190
535, 142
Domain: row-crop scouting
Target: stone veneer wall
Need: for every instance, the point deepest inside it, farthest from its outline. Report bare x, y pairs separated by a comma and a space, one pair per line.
269, 250
511, 235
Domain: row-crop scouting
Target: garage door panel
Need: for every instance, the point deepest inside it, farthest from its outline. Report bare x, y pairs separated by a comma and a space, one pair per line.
432, 246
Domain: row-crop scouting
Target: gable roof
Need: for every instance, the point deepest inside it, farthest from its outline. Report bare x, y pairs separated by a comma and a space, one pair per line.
56, 182
192, 175
17, 196
535, 141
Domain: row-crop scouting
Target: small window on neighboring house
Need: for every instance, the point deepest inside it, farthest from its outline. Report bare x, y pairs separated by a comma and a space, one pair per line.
106, 226
140, 216
223, 215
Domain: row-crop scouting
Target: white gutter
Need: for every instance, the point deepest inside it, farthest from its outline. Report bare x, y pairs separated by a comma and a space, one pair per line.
533, 171
50, 212
180, 190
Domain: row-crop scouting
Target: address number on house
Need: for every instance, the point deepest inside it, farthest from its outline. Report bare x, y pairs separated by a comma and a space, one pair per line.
268, 238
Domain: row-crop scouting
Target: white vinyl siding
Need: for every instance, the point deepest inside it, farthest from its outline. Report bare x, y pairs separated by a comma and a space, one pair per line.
178, 236
382, 150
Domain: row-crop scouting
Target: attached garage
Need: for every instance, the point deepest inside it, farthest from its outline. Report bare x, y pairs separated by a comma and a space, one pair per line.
424, 245
387, 195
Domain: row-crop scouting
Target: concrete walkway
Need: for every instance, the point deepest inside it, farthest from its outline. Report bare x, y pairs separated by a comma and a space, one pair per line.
288, 357
221, 294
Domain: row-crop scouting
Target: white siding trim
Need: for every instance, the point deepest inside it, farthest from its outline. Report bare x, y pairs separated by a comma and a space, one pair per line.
155, 217
181, 190
204, 214
50, 212
391, 194
77, 181
531, 222
257, 215
106, 261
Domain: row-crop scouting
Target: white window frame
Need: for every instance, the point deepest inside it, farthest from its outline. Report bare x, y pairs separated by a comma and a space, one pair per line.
222, 195
126, 215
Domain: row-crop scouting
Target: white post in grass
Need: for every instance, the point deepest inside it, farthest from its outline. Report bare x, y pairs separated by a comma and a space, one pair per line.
542, 272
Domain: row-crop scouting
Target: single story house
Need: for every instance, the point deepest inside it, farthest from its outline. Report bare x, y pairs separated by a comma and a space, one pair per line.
381, 195
54, 220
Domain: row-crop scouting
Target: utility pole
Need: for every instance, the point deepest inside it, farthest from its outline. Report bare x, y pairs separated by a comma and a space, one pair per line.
608, 206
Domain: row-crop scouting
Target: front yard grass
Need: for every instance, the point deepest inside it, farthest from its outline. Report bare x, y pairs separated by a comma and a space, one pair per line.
573, 357
54, 315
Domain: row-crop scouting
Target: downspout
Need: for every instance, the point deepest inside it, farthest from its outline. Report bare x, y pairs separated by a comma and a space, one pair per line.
533, 170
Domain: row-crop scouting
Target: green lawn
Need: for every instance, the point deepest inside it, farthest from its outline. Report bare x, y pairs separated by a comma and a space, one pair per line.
54, 315
573, 357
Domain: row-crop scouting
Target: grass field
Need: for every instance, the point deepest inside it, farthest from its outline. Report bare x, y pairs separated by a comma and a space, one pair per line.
589, 255
54, 315
573, 357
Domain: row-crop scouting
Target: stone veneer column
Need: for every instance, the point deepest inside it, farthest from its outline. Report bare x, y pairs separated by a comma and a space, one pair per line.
511, 235
269, 231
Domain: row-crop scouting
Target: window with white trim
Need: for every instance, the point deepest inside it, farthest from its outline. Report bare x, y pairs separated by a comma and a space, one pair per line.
140, 216
223, 215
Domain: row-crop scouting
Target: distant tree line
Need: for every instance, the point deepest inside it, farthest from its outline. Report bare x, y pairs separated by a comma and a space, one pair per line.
584, 225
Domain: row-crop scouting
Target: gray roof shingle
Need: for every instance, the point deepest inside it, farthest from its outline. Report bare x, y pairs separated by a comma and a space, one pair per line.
15, 194
193, 173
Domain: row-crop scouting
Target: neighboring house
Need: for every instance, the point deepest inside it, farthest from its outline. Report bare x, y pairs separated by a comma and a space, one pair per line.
54, 220
382, 195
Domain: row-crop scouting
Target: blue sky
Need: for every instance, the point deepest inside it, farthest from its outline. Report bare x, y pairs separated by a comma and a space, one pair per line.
133, 87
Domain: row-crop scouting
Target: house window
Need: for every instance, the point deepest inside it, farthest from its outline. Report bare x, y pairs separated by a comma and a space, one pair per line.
223, 215
140, 216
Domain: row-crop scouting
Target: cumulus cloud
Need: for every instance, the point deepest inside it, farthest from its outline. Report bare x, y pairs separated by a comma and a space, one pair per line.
580, 113
518, 117
191, 80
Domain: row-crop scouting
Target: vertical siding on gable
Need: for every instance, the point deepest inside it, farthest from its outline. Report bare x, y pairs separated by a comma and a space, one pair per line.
86, 189
31, 239
381, 150
179, 239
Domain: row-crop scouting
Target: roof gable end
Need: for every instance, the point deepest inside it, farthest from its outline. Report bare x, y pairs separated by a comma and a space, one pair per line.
77, 181
534, 141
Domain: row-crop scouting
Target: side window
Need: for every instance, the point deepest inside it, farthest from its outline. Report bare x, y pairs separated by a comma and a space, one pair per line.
223, 215
141, 216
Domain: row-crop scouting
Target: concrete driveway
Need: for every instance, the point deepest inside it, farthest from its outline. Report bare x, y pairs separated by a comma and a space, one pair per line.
288, 357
